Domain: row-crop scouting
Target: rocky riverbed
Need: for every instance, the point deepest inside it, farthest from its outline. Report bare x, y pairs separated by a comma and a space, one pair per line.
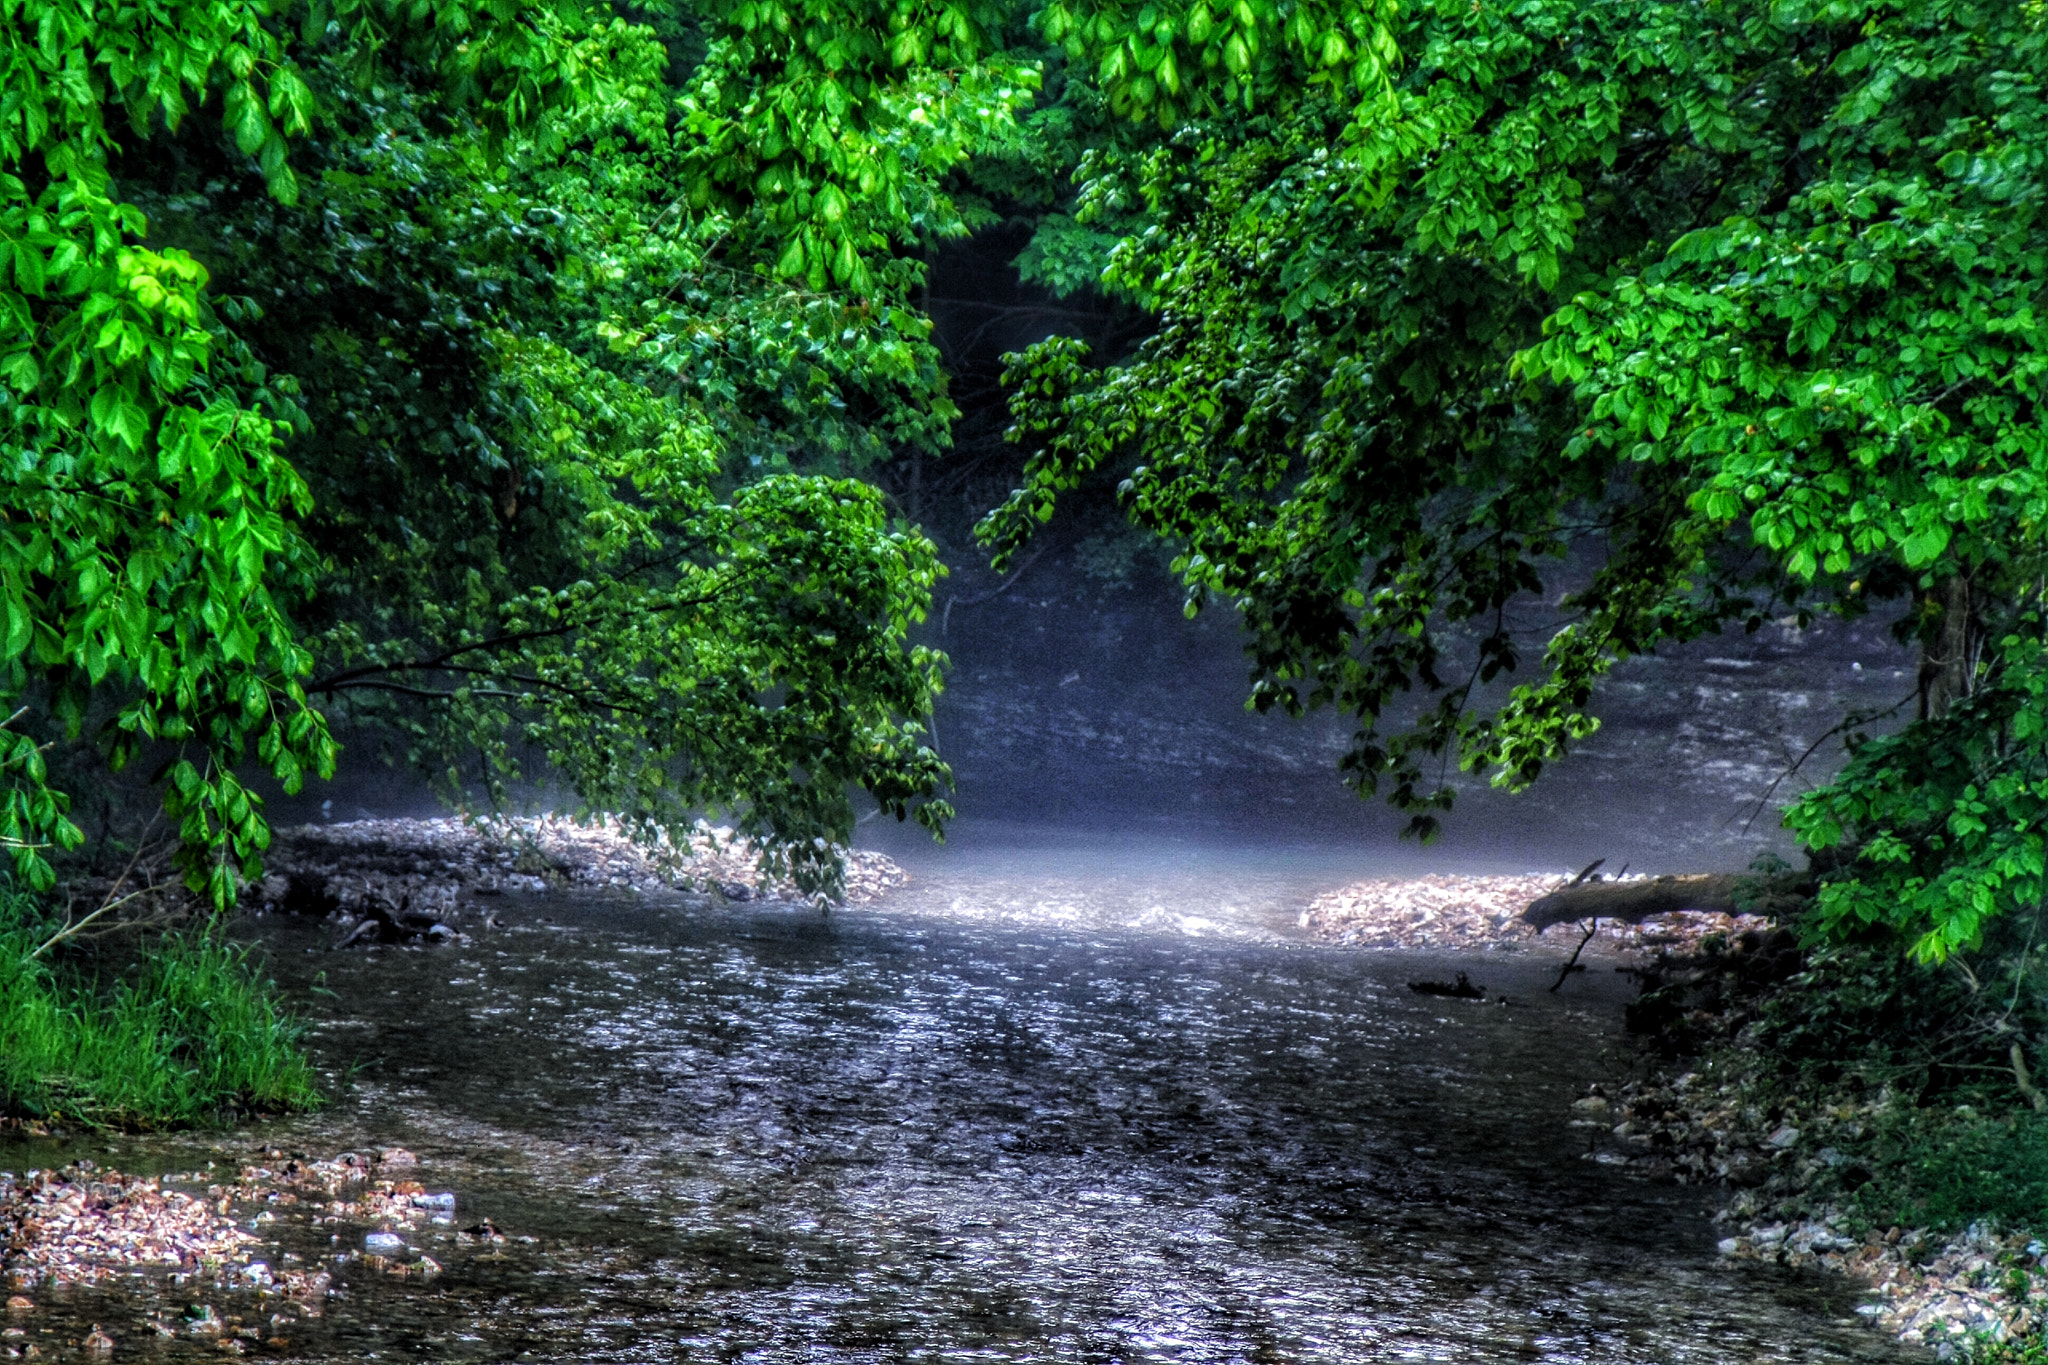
1483, 914
1695, 1126
1375, 1058
395, 879
1699, 1127
215, 1237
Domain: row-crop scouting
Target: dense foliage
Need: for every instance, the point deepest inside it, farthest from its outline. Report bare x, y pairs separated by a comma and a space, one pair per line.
501, 380
1742, 292
491, 377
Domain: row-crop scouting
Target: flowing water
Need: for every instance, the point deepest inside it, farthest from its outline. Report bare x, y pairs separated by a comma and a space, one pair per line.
1055, 1101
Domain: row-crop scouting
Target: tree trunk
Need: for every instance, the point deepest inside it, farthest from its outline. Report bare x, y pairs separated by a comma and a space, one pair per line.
1727, 892
1633, 901
1948, 658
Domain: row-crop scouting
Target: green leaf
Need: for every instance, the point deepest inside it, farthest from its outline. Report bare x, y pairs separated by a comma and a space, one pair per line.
1925, 545
246, 120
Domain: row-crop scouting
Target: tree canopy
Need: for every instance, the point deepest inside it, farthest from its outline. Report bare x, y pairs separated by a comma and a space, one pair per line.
492, 376
1745, 291
519, 383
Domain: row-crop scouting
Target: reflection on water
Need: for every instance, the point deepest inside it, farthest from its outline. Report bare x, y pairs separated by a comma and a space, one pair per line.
1029, 1110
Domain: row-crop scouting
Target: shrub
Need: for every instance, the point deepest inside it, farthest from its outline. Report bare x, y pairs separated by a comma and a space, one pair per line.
1948, 1168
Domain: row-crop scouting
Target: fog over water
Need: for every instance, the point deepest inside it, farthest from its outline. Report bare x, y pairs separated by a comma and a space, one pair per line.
1076, 708
1081, 699
1072, 705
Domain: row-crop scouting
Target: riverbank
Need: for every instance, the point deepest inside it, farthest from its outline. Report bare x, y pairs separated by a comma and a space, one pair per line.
430, 880
115, 1011
1949, 1291
429, 865
417, 877
1483, 914
1705, 1117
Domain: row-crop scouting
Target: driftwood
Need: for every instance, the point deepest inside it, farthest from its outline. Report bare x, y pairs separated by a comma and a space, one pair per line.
1633, 901
1727, 892
381, 924
1463, 990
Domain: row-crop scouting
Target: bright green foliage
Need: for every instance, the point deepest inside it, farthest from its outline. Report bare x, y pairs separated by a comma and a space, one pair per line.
446, 361
1747, 288
1951, 815
551, 417
187, 1033
712, 652
824, 124
148, 509
1028, 173
145, 505
1168, 60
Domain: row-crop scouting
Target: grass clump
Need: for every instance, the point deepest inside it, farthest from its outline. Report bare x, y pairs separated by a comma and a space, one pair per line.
2031, 1349
183, 1032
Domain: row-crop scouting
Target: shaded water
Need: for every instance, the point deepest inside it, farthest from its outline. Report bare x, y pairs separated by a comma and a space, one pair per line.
1053, 1102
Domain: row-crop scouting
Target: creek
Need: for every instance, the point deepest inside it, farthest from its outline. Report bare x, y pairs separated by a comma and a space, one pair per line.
1059, 1100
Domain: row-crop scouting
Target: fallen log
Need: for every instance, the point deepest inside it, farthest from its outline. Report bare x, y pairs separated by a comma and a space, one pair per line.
1727, 892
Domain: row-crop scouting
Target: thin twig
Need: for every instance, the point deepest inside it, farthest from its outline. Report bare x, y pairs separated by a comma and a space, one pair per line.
1588, 870
2026, 1082
2019, 977
71, 930
946, 617
1854, 718
113, 901
1592, 928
